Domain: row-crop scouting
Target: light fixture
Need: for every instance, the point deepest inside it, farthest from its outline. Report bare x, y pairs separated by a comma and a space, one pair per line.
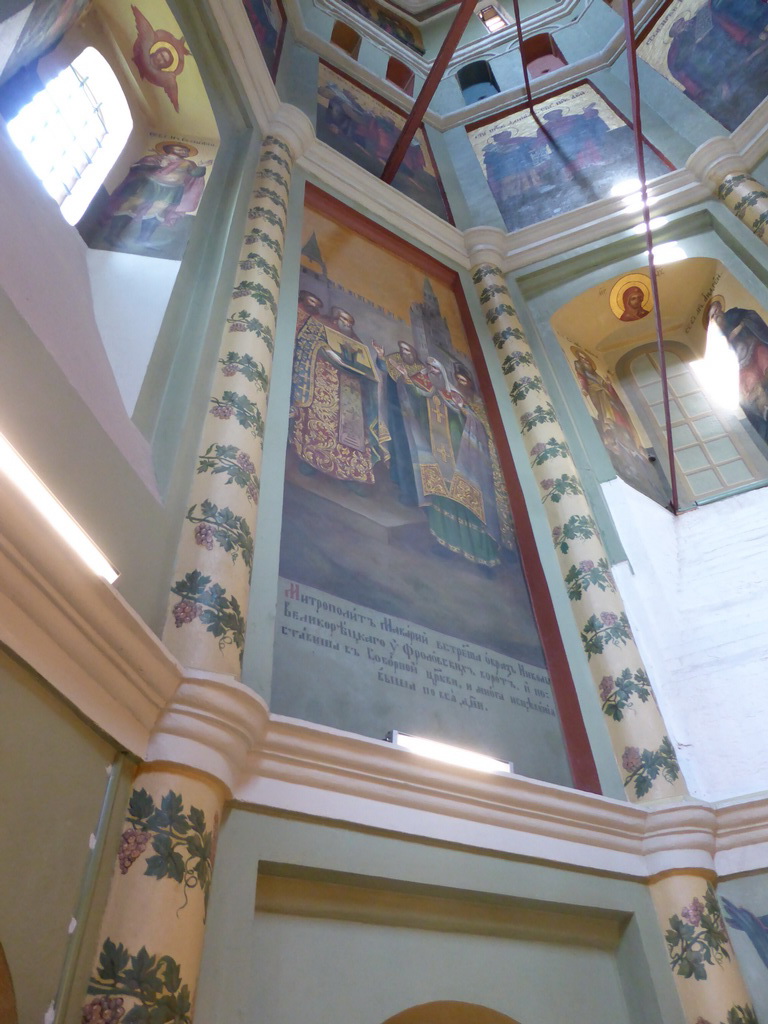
33, 488
448, 753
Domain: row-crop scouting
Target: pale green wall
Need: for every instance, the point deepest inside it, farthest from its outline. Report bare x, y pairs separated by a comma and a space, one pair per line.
286, 968
54, 770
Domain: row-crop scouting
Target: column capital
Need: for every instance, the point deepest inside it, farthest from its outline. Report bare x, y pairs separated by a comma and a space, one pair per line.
716, 160
293, 127
211, 725
485, 245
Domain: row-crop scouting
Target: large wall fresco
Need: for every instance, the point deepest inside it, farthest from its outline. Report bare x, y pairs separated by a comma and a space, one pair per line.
150, 212
267, 19
365, 129
573, 152
402, 603
400, 29
715, 51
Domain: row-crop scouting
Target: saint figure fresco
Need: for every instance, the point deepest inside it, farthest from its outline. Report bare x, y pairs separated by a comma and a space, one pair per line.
747, 335
629, 457
716, 51
158, 56
630, 298
150, 211
572, 152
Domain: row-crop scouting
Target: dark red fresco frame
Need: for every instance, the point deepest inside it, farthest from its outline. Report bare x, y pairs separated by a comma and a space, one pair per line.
578, 750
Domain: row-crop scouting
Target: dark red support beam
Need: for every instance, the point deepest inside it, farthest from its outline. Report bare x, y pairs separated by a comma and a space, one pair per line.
519, 26
433, 79
634, 91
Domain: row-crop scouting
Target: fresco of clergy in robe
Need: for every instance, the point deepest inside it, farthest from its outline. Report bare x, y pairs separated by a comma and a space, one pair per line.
747, 335
365, 129
397, 526
267, 20
575, 153
716, 52
150, 213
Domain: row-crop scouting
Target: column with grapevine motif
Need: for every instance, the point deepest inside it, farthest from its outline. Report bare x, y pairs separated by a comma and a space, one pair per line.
205, 626
748, 199
644, 752
701, 957
151, 936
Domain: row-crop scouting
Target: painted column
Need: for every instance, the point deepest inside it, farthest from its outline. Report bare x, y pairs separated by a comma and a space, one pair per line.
701, 957
205, 624
747, 198
151, 937
725, 173
642, 748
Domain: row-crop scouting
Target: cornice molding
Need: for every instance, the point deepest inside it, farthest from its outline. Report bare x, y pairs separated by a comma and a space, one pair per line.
76, 630
82, 637
294, 127
671, 193
211, 725
715, 160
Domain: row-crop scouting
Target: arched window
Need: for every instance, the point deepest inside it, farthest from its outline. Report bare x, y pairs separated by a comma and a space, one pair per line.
73, 130
400, 75
477, 81
346, 39
713, 452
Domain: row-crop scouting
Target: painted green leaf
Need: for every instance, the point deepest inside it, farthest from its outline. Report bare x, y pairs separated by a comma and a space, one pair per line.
112, 961
141, 804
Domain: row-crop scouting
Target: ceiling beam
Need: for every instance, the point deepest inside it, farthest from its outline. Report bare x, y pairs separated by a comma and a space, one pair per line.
433, 79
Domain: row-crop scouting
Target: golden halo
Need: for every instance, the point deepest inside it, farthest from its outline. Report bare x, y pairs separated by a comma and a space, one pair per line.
630, 281
160, 146
708, 305
161, 44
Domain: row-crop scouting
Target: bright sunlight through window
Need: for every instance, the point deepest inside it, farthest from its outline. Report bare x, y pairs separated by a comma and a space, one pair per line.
73, 131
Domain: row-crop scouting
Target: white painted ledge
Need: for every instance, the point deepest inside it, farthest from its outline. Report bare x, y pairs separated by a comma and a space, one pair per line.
82, 637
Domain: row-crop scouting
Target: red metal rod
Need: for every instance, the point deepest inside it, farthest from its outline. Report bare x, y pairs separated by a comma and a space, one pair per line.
447, 50
634, 91
519, 25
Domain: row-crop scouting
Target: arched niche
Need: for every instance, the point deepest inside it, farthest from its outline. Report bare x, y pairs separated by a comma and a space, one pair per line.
719, 424
450, 1012
477, 81
345, 37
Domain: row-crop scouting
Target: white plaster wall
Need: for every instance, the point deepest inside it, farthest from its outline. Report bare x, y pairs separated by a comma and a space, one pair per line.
129, 331
695, 592
44, 272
